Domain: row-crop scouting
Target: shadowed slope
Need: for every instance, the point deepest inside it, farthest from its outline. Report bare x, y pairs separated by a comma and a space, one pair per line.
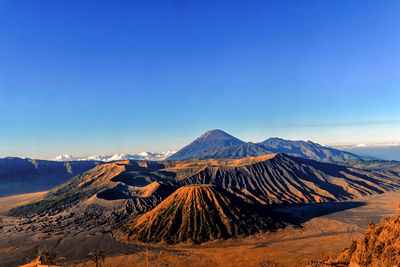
197, 213
286, 179
307, 149
240, 151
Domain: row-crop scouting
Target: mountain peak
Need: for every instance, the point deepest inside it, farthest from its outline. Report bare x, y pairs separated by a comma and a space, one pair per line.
217, 134
206, 145
214, 131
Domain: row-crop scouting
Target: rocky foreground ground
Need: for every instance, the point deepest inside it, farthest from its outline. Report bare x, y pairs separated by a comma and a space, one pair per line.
326, 229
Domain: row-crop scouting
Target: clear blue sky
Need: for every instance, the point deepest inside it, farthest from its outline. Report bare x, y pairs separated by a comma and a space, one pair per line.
87, 77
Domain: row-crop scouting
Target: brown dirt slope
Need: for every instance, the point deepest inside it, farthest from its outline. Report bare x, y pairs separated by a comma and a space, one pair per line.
379, 246
197, 213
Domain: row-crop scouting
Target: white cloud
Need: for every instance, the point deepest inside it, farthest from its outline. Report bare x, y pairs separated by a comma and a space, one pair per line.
115, 157
361, 145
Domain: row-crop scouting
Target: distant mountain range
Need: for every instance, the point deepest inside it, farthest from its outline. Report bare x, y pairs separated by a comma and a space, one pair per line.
218, 144
27, 175
115, 157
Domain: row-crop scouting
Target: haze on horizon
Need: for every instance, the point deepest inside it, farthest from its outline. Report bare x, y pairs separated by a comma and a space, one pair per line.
104, 77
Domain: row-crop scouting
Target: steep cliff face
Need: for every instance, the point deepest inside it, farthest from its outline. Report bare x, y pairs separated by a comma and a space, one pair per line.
197, 213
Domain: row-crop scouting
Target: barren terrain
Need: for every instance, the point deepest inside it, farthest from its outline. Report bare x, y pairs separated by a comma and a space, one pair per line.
324, 228
320, 235
274, 208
